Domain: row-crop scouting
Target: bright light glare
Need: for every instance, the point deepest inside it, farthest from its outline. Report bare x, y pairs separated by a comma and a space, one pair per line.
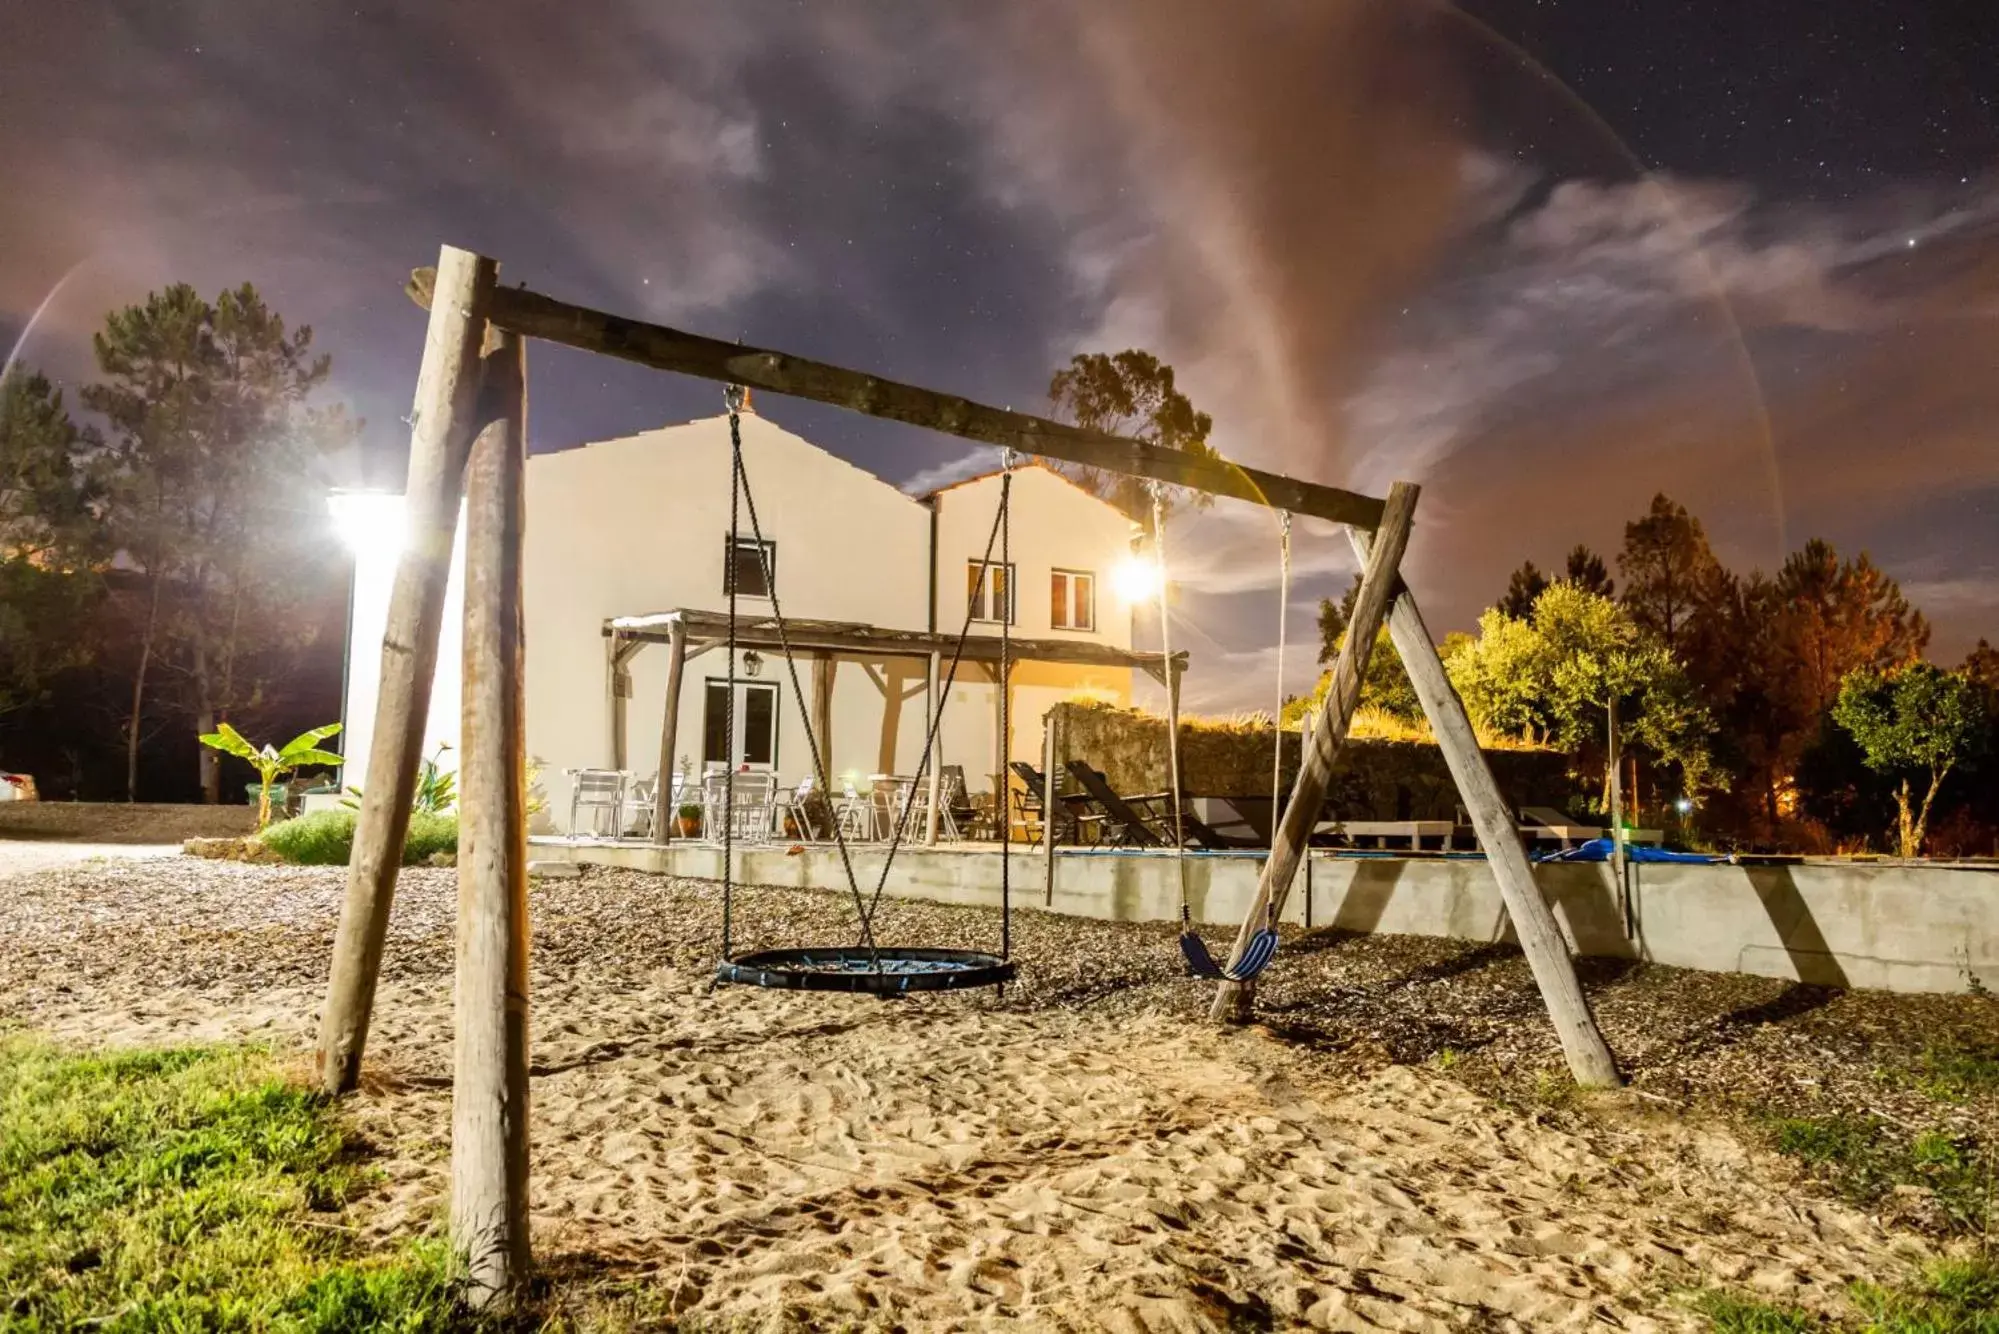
1137, 579
369, 522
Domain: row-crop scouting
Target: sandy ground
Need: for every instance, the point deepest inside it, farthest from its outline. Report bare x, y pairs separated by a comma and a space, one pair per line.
1083, 1154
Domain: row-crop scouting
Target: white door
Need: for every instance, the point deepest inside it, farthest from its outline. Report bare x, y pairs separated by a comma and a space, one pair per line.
754, 739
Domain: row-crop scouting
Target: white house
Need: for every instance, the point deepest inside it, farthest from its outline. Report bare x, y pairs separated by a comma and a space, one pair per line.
627, 537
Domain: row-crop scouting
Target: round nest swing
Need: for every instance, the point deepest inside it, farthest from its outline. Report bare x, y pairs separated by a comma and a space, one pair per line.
887, 971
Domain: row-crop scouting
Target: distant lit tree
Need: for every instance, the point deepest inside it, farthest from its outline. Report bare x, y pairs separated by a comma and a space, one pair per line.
1920, 721
1585, 569
213, 455
1839, 617
46, 531
1130, 393
1522, 591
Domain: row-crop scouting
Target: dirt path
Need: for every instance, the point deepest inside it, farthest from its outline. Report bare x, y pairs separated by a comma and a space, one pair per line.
20, 857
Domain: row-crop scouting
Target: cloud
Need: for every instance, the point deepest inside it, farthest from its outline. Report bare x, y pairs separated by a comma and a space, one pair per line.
944, 474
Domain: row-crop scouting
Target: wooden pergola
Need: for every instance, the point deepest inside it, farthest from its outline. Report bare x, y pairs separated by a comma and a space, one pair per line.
689, 632
469, 442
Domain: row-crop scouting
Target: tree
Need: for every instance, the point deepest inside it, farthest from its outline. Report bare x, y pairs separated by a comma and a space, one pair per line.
1920, 720
1522, 590
1558, 675
1839, 617
1130, 393
1981, 668
1333, 618
1500, 674
1671, 576
212, 459
1386, 686
44, 480
45, 528
1585, 569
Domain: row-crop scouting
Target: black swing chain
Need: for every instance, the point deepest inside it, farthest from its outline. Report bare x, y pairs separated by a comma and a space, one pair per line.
736, 397
1003, 783
1002, 521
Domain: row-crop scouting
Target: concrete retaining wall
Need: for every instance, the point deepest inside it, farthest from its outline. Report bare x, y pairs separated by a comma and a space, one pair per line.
1896, 928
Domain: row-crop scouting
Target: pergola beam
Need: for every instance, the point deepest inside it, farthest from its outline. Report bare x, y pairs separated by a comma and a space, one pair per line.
662, 348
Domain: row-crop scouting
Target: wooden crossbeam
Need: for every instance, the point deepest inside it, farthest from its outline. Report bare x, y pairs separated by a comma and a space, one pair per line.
535, 316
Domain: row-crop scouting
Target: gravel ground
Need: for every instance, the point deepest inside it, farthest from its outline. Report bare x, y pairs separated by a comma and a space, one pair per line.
1708, 1045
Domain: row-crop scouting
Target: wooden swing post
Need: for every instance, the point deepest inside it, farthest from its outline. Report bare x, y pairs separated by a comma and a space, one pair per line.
489, 1090
1293, 833
441, 427
1541, 940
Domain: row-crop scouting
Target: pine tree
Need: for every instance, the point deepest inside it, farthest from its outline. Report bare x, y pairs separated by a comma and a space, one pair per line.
212, 457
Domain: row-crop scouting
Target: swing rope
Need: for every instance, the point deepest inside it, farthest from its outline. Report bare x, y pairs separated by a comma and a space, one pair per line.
1262, 946
1277, 715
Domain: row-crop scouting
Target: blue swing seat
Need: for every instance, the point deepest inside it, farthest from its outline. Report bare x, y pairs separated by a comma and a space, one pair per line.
1262, 949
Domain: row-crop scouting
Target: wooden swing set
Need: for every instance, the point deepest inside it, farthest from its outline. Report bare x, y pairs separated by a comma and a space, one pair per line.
469, 444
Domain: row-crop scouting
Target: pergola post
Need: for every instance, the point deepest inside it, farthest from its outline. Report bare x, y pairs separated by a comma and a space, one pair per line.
1293, 833
441, 426
931, 719
824, 666
1589, 1057
663, 812
489, 1091
618, 654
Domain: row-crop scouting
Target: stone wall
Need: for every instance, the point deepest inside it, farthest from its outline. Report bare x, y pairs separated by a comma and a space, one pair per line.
1374, 779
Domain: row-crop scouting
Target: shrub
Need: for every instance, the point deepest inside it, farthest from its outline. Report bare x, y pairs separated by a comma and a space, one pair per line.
326, 838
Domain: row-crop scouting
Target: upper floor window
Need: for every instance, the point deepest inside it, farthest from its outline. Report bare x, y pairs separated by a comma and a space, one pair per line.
746, 570
1072, 600
989, 591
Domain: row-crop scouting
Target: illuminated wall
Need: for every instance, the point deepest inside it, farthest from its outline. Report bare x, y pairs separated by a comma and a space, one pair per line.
373, 525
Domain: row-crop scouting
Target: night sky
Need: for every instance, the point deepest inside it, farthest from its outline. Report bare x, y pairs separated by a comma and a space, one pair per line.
1545, 259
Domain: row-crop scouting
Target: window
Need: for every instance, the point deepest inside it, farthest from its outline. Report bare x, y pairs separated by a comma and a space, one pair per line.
742, 570
1072, 600
989, 591
754, 723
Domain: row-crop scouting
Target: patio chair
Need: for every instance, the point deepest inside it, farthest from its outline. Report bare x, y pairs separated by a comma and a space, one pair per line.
957, 818
1125, 825
750, 819
855, 811
1073, 816
637, 821
597, 791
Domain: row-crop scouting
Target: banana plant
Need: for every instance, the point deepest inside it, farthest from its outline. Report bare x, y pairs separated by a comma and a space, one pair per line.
270, 762
436, 787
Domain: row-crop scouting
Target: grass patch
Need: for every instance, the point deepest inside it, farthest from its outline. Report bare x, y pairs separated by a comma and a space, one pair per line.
186, 1189
1864, 1159
1733, 1313
1951, 1297
1958, 1074
326, 838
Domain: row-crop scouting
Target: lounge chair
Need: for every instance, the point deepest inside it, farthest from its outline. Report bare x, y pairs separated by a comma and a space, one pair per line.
1124, 824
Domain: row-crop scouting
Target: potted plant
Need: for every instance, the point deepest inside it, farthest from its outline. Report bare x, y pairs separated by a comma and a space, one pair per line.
690, 820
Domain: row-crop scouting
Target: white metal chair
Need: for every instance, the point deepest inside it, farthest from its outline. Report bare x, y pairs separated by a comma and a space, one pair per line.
597, 791
637, 819
856, 813
753, 813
